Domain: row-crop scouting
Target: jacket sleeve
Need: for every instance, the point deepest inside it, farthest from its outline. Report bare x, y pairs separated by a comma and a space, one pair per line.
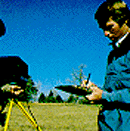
117, 96
119, 82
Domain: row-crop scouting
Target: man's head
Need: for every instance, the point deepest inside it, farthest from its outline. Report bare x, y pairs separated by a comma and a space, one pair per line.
2, 28
113, 17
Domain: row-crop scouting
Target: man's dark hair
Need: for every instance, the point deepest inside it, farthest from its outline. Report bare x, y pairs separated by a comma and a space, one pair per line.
115, 8
2, 28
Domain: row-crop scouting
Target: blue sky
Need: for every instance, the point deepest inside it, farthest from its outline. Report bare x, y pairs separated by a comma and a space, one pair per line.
54, 37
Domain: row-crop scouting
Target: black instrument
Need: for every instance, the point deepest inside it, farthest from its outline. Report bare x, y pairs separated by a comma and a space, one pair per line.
78, 90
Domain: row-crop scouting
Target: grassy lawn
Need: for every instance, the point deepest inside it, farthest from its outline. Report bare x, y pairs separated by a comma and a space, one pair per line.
56, 117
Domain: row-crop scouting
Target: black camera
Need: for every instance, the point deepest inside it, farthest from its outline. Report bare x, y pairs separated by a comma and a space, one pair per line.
13, 70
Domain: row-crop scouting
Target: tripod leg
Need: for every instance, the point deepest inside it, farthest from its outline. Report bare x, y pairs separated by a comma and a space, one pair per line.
8, 115
28, 116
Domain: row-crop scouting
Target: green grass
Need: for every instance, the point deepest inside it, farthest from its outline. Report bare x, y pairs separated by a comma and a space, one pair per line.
56, 117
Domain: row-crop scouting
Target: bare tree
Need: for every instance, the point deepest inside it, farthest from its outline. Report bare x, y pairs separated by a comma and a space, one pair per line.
77, 75
77, 79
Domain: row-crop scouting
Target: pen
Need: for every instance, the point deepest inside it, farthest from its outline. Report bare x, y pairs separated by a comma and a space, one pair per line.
88, 78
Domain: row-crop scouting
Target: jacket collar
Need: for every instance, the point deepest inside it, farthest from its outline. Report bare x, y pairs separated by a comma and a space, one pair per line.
120, 41
123, 49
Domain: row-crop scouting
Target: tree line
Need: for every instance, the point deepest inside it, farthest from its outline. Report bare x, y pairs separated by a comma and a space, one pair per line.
58, 99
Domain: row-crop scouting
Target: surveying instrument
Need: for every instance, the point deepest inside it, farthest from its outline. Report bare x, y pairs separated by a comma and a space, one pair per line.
14, 71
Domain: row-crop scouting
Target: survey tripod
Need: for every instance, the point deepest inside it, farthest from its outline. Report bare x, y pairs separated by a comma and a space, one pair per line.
31, 119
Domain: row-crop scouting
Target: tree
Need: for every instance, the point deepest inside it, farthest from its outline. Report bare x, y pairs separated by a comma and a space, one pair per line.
59, 99
71, 99
78, 75
50, 98
50, 94
42, 98
77, 78
29, 92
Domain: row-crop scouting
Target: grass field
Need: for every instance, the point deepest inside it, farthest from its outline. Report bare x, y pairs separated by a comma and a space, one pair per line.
56, 117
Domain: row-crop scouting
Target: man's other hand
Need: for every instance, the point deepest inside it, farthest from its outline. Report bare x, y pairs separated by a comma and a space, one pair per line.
14, 89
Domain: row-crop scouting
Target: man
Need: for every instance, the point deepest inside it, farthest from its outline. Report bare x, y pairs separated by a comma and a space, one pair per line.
6, 91
113, 17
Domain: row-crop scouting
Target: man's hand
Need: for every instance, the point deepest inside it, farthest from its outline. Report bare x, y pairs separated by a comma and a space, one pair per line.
88, 85
96, 92
14, 89
17, 88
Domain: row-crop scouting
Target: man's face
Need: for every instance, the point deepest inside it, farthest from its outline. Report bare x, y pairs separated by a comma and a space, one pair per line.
113, 30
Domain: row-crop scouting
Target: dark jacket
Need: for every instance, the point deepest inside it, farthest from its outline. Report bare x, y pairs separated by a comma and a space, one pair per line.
115, 115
